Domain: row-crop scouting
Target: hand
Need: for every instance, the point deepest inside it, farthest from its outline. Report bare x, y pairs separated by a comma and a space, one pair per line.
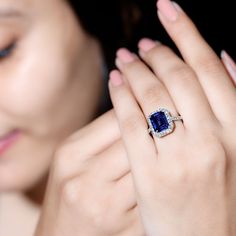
90, 190
185, 181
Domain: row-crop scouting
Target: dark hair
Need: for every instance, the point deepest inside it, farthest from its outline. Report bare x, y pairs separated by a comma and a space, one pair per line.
110, 21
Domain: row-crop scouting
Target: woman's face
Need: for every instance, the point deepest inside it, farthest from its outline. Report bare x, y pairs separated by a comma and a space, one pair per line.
47, 80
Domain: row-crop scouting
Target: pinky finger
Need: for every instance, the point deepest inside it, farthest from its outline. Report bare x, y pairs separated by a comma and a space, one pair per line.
139, 145
229, 64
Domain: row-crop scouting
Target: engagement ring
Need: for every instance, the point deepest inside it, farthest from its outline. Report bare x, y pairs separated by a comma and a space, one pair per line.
161, 122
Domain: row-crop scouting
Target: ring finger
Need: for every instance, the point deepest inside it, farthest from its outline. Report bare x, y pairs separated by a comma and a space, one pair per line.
150, 93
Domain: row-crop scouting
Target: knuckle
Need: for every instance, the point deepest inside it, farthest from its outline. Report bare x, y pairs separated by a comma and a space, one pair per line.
161, 52
69, 191
183, 29
210, 157
153, 94
208, 163
65, 156
61, 158
131, 125
180, 175
186, 30
215, 160
132, 66
209, 64
98, 215
102, 215
180, 72
174, 176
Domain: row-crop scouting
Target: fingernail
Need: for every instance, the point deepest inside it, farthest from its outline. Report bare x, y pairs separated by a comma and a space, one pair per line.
229, 64
169, 9
147, 44
125, 56
115, 78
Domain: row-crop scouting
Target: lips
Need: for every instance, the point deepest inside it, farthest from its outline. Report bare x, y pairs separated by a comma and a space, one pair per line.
8, 140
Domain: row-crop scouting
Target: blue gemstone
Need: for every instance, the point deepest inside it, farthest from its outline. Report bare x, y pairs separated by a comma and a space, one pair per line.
159, 121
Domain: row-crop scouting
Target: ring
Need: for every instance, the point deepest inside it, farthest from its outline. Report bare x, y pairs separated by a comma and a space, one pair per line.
161, 122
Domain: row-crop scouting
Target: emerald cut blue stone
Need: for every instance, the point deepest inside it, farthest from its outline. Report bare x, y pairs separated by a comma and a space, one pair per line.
159, 121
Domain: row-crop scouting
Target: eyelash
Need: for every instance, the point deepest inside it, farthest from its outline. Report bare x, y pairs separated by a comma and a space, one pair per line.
6, 52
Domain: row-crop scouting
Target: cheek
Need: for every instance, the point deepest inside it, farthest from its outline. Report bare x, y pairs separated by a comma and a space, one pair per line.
36, 86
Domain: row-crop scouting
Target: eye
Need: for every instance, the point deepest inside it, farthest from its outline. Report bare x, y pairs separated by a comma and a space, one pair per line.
6, 52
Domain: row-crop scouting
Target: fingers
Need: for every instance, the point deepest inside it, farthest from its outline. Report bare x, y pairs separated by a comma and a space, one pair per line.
138, 143
103, 207
149, 92
125, 192
97, 136
114, 159
180, 81
135, 226
197, 53
72, 155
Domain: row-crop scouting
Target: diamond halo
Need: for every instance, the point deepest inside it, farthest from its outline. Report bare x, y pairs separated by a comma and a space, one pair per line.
161, 123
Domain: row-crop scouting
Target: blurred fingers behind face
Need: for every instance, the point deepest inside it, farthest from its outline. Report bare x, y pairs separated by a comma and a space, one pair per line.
72, 156
98, 135
112, 164
125, 193
109, 209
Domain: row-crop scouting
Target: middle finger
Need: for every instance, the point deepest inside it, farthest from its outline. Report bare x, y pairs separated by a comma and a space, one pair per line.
181, 82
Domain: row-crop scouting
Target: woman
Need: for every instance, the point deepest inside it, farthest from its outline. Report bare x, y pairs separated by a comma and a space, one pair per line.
70, 60
52, 71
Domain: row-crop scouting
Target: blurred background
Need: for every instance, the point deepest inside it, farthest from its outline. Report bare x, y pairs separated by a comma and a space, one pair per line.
124, 22
216, 20
121, 23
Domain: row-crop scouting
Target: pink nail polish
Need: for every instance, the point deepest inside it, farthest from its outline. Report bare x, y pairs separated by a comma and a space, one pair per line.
125, 55
147, 44
229, 64
168, 9
115, 78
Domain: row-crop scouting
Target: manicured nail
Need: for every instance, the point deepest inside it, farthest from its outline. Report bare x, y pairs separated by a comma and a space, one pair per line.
125, 56
147, 44
229, 64
115, 78
170, 10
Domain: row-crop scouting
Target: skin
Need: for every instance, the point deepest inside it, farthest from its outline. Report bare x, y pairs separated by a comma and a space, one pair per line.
48, 79
230, 65
90, 189
104, 209
45, 81
83, 197
180, 179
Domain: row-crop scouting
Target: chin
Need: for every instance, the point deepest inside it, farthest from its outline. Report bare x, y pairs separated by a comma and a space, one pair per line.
19, 181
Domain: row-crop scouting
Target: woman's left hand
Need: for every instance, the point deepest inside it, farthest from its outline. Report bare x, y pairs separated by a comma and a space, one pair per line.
185, 181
